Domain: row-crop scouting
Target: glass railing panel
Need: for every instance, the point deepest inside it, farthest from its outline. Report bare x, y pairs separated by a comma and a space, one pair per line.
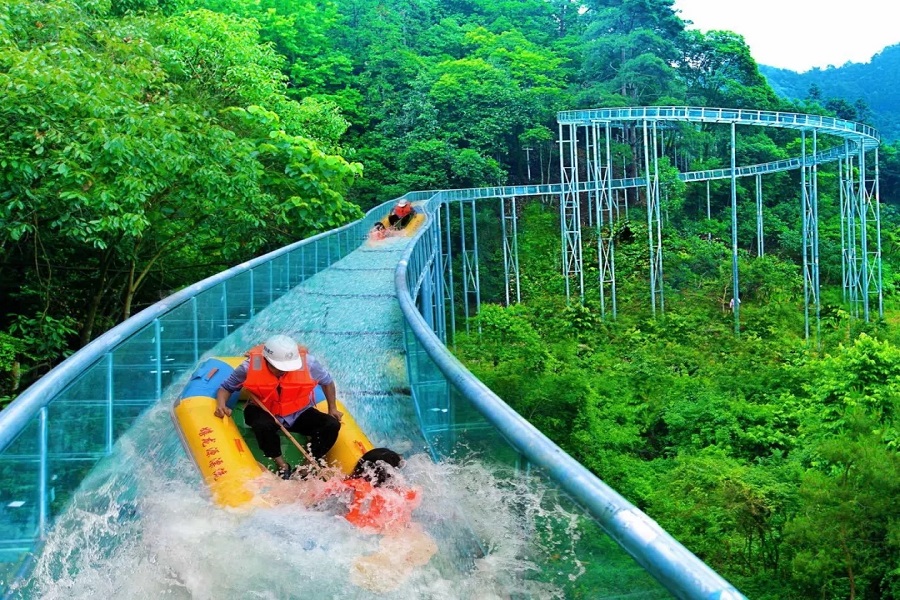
211, 323
335, 247
180, 349
261, 290
279, 278
474, 437
432, 402
431, 394
80, 427
464, 416
125, 414
80, 431
64, 476
20, 499
339, 244
90, 385
322, 256
240, 296
298, 266
342, 241
137, 377
67, 467
316, 257
170, 369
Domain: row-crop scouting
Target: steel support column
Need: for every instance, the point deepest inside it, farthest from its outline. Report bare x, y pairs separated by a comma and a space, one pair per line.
809, 171
815, 237
863, 233
760, 242
570, 210
471, 281
870, 224
447, 257
877, 203
735, 281
606, 220
437, 275
508, 221
594, 174
850, 221
654, 223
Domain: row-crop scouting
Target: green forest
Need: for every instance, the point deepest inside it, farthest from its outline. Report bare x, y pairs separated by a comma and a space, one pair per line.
151, 143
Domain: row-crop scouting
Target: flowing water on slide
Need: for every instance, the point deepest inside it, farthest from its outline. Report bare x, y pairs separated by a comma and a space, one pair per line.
142, 526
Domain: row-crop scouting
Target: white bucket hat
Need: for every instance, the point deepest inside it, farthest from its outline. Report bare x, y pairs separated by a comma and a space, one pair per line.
282, 353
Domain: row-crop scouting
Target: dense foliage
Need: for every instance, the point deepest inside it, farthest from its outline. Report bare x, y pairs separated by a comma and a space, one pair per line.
152, 142
775, 463
143, 152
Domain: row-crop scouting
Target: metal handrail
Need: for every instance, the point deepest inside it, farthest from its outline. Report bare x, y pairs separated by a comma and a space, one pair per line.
699, 114
675, 567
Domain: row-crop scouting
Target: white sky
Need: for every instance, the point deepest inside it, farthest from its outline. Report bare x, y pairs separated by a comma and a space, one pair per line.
801, 34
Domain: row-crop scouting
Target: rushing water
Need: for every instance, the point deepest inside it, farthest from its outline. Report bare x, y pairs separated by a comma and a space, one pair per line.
142, 526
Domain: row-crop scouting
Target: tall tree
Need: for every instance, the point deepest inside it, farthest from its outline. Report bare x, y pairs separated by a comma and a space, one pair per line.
718, 70
629, 48
140, 147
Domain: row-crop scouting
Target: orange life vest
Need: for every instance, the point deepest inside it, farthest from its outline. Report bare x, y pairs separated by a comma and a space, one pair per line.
379, 508
283, 396
402, 211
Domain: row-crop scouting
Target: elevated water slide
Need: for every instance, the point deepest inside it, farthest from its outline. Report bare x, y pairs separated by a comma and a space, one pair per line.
89, 458
91, 440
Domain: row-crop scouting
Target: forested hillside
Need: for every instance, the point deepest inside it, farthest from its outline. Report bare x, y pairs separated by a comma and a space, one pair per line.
150, 143
857, 91
776, 464
153, 142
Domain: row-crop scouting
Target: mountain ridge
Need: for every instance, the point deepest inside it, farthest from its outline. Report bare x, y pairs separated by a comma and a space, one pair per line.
871, 89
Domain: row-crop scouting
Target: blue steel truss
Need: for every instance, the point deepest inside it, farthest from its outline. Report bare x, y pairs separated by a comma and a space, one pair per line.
861, 258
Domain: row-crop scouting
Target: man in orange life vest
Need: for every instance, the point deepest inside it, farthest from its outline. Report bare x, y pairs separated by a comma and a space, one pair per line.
400, 216
283, 377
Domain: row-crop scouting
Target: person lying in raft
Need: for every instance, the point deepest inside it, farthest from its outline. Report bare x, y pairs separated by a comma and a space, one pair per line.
282, 378
380, 504
400, 216
374, 498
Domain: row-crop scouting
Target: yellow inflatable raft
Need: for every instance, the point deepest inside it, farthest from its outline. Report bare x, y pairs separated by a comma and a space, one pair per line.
218, 447
383, 229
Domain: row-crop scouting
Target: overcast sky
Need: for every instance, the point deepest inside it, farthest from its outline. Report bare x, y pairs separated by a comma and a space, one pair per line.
801, 34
